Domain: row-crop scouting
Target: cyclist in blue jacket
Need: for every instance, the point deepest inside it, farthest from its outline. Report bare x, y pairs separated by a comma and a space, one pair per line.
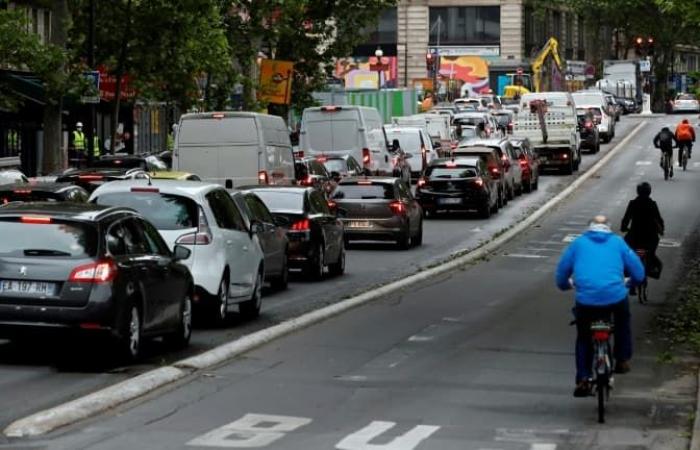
598, 261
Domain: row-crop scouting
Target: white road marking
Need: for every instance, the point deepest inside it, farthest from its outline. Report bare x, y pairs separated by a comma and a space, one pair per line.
696, 164
419, 338
250, 431
669, 243
352, 378
408, 441
542, 249
543, 446
528, 256
570, 237
643, 163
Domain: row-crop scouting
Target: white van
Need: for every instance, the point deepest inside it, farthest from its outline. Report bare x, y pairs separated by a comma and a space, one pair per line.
234, 148
347, 130
437, 126
595, 98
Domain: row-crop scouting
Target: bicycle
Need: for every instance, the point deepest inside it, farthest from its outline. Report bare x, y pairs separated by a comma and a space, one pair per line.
642, 288
684, 155
603, 363
667, 165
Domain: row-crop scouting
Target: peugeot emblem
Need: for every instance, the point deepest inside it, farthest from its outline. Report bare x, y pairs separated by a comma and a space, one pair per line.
23, 271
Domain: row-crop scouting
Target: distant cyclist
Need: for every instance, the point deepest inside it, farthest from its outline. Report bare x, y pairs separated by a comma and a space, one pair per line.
643, 223
685, 136
597, 261
665, 141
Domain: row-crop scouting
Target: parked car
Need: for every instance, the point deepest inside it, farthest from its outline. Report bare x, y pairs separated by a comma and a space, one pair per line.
347, 130
685, 103
272, 236
92, 269
416, 143
494, 164
12, 176
92, 178
311, 172
458, 184
227, 261
234, 148
511, 167
316, 235
529, 163
42, 192
590, 136
341, 166
379, 208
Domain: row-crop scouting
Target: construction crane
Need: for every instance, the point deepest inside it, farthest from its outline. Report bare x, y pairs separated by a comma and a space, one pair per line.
551, 48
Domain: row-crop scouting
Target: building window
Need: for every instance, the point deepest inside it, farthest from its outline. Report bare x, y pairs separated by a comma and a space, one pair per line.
35, 21
385, 31
535, 32
556, 25
47, 26
465, 25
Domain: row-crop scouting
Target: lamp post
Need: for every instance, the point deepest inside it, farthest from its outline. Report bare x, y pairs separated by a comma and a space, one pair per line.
378, 53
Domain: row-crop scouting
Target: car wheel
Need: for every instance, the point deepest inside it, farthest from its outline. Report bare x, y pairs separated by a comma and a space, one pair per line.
281, 282
485, 211
501, 199
511, 192
418, 239
129, 343
338, 267
597, 147
404, 240
250, 309
180, 338
219, 309
520, 190
568, 169
315, 267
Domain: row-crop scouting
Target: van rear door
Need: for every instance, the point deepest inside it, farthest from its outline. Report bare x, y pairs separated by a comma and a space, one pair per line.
332, 130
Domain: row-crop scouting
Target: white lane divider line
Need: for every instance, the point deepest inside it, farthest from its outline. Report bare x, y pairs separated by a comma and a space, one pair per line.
526, 256
669, 243
643, 163
696, 164
250, 431
360, 440
419, 338
539, 446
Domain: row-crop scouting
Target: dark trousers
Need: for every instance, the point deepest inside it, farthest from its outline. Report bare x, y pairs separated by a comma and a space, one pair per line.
585, 315
682, 144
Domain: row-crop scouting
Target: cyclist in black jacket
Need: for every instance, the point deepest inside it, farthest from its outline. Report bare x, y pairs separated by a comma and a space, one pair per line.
665, 141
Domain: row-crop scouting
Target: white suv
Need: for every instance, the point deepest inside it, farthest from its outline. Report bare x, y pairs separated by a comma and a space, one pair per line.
227, 262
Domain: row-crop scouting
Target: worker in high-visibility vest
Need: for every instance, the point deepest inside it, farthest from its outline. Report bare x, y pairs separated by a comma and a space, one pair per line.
96, 145
77, 151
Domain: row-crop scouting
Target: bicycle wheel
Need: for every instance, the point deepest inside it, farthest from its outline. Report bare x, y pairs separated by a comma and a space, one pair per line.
643, 293
665, 170
684, 159
602, 391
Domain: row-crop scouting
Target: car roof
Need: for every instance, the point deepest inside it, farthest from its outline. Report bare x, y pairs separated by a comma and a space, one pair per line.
475, 148
382, 180
470, 160
39, 187
107, 171
488, 142
87, 212
278, 188
403, 129
175, 187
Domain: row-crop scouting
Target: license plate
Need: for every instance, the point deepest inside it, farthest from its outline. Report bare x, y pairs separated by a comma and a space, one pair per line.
27, 287
358, 224
449, 201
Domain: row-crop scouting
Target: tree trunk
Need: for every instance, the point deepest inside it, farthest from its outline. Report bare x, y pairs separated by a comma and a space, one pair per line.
119, 74
54, 157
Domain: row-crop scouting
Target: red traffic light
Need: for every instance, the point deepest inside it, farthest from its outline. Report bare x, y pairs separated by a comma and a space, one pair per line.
650, 41
640, 40
429, 56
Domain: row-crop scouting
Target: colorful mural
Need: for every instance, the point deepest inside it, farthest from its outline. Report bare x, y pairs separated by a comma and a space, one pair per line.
472, 71
357, 74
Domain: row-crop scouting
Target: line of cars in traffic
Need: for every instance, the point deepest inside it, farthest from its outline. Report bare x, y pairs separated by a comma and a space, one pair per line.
132, 249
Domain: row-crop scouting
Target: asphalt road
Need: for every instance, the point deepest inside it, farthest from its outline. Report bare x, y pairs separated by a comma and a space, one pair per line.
42, 374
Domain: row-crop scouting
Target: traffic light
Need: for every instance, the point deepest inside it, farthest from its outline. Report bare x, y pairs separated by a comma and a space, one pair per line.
644, 45
650, 45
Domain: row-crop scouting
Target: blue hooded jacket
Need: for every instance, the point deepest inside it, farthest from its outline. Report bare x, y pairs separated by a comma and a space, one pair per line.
598, 261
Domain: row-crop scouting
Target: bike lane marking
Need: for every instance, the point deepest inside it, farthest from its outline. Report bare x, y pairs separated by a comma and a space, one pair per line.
361, 440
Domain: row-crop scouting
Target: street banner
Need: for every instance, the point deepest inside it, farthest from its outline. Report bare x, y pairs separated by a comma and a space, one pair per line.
108, 86
276, 81
93, 78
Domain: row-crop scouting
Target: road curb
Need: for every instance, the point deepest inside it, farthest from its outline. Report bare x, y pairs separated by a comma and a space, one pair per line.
695, 432
118, 394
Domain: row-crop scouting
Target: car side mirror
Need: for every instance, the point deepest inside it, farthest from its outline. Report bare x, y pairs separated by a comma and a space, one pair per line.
256, 228
282, 221
181, 253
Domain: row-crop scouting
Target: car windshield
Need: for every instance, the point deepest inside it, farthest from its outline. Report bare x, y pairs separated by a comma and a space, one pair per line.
686, 97
336, 165
468, 120
445, 172
59, 239
165, 211
282, 201
364, 191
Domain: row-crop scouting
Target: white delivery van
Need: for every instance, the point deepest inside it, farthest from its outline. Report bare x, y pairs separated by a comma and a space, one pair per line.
596, 98
554, 135
347, 130
437, 126
234, 148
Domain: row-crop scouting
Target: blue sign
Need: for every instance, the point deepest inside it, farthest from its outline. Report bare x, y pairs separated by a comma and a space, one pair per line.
93, 78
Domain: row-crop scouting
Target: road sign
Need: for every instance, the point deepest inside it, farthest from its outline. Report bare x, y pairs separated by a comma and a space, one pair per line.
93, 78
644, 65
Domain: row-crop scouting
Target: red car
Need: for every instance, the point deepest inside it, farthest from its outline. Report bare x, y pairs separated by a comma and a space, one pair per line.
529, 163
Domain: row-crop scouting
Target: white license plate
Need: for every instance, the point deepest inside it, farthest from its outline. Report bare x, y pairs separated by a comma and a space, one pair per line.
358, 224
450, 201
27, 287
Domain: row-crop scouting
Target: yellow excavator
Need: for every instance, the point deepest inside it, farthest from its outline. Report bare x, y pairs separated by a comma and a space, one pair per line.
551, 48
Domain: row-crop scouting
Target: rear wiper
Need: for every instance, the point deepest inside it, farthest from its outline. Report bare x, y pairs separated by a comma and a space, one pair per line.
44, 252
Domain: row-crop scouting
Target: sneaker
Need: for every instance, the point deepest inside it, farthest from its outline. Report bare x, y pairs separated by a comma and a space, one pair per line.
583, 389
622, 367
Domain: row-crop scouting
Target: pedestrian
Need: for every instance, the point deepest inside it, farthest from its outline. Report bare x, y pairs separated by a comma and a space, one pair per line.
78, 144
597, 262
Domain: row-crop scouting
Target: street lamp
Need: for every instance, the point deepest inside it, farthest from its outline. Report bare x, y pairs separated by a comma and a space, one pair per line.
378, 53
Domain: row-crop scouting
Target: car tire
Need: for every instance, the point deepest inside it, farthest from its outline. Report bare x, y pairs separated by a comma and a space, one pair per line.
219, 307
418, 239
568, 169
129, 342
315, 267
527, 187
250, 309
536, 184
180, 338
338, 267
511, 192
520, 190
485, 211
281, 282
403, 241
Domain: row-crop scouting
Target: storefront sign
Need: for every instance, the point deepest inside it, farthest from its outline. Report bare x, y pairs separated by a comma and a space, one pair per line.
472, 50
276, 81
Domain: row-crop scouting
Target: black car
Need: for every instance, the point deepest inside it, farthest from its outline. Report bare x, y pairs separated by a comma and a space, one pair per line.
42, 192
79, 267
310, 171
341, 166
379, 208
590, 137
316, 235
458, 184
92, 178
273, 237
148, 163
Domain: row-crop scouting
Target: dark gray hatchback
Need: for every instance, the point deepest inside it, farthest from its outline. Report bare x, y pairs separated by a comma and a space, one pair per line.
94, 269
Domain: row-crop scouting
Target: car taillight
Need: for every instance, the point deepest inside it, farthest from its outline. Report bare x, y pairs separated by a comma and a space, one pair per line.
301, 225
366, 157
588, 124
202, 236
90, 177
22, 191
36, 220
102, 271
454, 145
479, 182
421, 182
495, 172
523, 163
308, 181
397, 207
332, 205
263, 178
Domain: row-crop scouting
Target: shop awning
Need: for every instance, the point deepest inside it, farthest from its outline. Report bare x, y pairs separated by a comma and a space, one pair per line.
24, 85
